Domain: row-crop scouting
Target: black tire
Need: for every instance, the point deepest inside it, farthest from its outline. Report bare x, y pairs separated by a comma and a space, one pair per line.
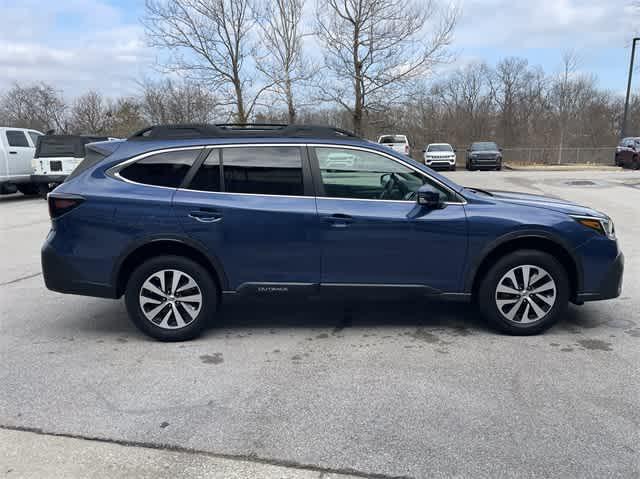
470, 167
499, 167
207, 288
27, 189
635, 163
486, 294
452, 168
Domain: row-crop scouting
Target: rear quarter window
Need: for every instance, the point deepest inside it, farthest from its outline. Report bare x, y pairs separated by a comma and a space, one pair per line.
161, 169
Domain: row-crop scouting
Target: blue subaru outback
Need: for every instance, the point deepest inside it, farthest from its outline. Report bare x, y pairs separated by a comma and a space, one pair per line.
178, 217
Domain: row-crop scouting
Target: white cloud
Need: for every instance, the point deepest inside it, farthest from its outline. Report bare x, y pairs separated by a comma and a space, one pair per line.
75, 45
545, 23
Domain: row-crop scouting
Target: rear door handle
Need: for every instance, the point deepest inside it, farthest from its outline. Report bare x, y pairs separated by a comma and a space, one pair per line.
13, 152
206, 216
338, 220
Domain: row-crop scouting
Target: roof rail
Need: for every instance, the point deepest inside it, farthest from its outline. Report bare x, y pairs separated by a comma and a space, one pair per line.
230, 130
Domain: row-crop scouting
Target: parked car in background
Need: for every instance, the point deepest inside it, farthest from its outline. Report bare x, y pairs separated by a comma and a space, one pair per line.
628, 153
57, 156
17, 147
484, 155
440, 155
179, 217
399, 143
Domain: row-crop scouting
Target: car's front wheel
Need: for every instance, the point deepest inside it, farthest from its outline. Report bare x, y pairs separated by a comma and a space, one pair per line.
524, 293
171, 298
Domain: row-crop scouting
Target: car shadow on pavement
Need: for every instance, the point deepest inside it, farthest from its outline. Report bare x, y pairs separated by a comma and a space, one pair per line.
339, 315
110, 317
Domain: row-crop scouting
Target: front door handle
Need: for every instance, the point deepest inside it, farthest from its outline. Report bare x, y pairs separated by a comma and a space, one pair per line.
338, 220
205, 216
13, 152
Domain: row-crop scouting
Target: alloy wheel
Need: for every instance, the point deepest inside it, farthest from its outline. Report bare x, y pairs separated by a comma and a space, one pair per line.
170, 299
525, 294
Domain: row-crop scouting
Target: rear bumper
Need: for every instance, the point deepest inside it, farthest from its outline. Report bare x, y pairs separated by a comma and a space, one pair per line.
48, 178
610, 285
59, 275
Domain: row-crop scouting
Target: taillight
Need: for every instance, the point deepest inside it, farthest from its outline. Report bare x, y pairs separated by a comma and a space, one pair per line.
61, 204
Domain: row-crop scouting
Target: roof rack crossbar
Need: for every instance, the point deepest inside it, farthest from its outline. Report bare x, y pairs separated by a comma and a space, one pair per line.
226, 130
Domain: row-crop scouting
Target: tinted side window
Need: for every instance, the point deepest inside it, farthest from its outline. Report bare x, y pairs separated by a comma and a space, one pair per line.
162, 169
17, 138
208, 176
364, 175
272, 170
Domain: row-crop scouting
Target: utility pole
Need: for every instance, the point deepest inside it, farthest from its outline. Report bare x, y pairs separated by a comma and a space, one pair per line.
623, 132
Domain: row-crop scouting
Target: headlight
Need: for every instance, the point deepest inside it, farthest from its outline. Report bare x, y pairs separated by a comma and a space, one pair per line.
604, 226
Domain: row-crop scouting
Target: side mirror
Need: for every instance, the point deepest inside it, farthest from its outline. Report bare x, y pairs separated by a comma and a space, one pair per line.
427, 198
455, 151
424, 151
500, 150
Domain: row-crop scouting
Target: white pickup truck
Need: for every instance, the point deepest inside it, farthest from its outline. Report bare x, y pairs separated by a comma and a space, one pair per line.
398, 143
17, 147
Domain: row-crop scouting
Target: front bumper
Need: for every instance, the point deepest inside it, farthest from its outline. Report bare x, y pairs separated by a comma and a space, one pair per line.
610, 285
437, 163
48, 178
485, 162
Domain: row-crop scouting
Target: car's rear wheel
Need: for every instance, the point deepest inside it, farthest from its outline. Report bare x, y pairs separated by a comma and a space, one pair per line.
635, 163
171, 298
524, 293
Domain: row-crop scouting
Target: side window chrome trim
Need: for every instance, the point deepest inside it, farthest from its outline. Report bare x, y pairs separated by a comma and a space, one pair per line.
113, 172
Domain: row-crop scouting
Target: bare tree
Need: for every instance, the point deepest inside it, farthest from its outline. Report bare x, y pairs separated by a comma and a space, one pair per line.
283, 64
466, 97
125, 117
38, 106
178, 102
89, 114
208, 40
374, 48
567, 90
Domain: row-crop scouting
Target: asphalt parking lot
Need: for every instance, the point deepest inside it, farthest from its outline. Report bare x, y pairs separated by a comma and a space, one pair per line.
373, 389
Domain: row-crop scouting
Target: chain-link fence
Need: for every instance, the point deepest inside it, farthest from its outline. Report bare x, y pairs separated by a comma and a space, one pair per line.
559, 156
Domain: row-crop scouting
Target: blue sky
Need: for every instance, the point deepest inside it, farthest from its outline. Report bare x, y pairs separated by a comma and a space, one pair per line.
78, 45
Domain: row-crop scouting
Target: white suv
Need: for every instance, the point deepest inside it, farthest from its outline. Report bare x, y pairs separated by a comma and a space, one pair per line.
17, 147
440, 155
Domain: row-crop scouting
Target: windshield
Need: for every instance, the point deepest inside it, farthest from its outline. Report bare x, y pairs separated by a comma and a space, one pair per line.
393, 139
439, 148
484, 146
